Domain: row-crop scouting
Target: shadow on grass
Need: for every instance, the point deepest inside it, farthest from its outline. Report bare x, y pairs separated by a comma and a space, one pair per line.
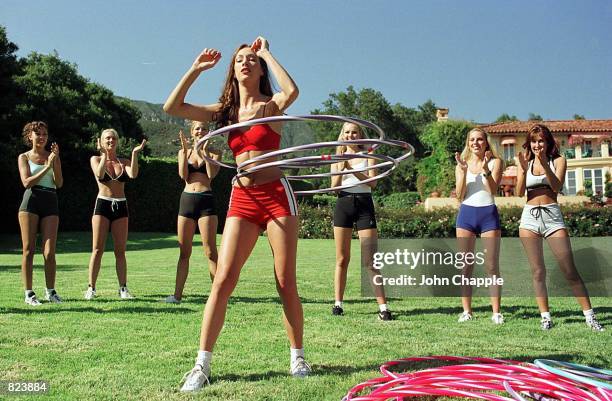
79, 242
318, 370
60, 267
42, 310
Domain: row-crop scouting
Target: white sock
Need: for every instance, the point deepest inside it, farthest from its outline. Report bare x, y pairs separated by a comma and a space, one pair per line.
546, 315
338, 303
589, 313
296, 353
383, 307
204, 358
50, 290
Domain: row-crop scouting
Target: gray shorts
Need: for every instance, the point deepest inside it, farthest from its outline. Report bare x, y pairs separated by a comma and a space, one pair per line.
543, 219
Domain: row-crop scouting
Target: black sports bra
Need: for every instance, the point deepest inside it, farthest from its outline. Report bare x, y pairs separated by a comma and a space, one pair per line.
193, 169
123, 177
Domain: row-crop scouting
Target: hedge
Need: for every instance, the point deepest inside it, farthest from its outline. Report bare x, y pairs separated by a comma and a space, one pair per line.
153, 200
581, 221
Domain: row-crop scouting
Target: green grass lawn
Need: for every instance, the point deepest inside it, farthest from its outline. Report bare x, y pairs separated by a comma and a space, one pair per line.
109, 349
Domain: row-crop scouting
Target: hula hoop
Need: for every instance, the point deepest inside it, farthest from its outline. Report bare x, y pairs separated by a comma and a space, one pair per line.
583, 373
387, 166
476, 380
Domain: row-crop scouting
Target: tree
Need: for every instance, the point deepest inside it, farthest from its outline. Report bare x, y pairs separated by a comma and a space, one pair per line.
75, 109
398, 122
436, 172
534, 117
578, 117
506, 117
9, 67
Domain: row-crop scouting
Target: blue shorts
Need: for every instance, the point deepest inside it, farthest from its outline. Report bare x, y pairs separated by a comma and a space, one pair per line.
478, 219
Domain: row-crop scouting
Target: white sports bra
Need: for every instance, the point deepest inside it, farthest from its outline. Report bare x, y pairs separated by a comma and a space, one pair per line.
350, 179
537, 181
476, 193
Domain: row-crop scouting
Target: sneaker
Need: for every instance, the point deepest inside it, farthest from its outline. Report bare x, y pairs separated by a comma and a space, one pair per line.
385, 315
195, 380
170, 299
337, 311
124, 293
592, 322
32, 300
52, 296
300, 368
546, 324
90, 294
464, 317
497, 318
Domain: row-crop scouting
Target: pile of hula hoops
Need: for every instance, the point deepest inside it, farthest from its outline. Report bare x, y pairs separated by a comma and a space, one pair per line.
487, 379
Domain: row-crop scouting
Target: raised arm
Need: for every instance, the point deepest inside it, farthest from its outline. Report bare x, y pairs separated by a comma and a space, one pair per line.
132, 167
211, 169
288, 89
27, 179
557, 177
522, 168
492, 177
58, 177
175, 104
183, 152
460, 176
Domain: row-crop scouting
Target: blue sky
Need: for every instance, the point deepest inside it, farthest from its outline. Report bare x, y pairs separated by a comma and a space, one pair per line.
478, 58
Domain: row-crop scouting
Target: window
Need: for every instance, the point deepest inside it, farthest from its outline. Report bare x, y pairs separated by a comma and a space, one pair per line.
596, 178
587, 149
570, 182
509, 151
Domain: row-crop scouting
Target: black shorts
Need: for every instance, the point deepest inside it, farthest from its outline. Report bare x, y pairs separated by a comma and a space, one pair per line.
354, 209
194, 205
41, 201
112, 209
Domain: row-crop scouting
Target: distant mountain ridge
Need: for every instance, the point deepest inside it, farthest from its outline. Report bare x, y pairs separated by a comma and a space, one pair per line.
160, 128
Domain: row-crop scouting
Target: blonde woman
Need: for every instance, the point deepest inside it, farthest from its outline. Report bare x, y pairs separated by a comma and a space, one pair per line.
355, 208
111, 209
477, 177
41, 173
197, 206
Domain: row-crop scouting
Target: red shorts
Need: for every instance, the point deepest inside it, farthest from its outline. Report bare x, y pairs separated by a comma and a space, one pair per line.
261, 203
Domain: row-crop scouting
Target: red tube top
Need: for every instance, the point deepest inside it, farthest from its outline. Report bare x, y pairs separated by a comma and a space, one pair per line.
258, 137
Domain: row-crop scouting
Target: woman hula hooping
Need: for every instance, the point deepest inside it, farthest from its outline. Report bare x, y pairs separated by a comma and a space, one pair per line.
41, 173
355, 207
541, 172
111, 209
197, 206
477, 178
260, 201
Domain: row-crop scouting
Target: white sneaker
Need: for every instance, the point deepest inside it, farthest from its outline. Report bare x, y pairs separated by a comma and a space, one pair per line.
52, 296
32, 300
592, 322
124, 293
497, 318
195, 380
170, 299
546, 324
300, 368
464, 317
90, 294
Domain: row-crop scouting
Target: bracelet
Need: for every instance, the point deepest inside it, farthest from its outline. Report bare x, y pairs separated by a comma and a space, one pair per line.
487, 174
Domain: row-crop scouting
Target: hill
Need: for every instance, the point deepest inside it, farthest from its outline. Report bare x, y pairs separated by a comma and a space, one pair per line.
161, 128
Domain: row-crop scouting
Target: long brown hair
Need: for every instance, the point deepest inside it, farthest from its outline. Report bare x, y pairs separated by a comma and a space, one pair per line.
552, 148
230, 97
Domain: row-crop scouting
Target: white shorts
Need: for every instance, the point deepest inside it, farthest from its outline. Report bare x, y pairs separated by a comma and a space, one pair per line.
543, 219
